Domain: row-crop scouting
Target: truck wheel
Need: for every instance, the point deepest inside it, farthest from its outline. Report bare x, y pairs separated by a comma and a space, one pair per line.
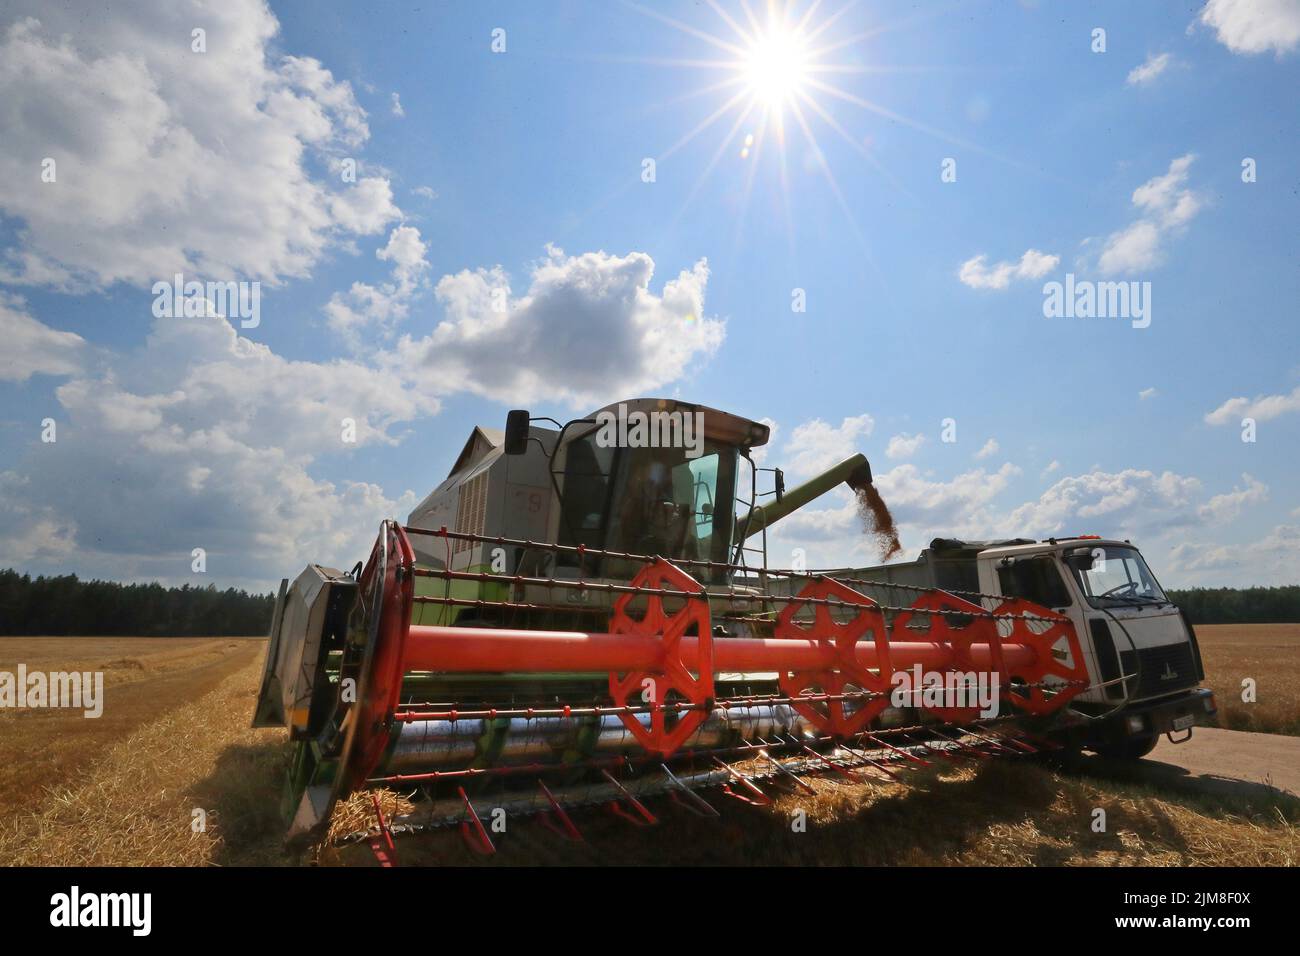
1129, 748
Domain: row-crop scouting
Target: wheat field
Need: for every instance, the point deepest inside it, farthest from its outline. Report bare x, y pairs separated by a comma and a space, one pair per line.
173, 775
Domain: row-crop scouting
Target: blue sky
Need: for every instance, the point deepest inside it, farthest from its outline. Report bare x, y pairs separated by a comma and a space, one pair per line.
525, 168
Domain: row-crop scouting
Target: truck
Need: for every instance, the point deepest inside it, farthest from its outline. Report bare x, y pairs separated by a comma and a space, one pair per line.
1143, 659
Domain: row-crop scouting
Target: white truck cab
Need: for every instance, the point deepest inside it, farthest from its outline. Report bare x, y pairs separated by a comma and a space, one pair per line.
1141, 653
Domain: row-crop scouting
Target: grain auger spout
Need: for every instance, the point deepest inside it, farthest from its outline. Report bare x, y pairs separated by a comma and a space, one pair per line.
511, 648
854, 471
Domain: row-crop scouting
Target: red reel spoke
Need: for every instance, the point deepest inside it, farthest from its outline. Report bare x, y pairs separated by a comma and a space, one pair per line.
845, 674
1032, 698
979, 629
670, 676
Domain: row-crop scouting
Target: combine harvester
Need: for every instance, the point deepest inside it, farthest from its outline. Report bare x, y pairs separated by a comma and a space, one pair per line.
583, 616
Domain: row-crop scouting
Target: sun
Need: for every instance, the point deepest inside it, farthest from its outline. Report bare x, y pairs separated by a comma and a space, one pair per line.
778, 74
775, 67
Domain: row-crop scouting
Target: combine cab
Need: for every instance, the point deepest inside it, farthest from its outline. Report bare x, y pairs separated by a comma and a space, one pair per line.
583, 615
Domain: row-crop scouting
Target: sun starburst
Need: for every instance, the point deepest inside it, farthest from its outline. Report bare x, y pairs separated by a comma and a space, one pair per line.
776, 74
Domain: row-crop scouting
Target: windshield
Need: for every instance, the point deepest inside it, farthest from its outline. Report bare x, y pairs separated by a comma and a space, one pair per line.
651, 501
1117, 576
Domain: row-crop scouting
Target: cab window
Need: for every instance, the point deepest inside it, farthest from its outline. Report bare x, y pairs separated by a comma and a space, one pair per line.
1034, 579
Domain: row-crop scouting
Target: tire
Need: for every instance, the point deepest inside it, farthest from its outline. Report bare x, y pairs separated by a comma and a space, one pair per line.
1129, 748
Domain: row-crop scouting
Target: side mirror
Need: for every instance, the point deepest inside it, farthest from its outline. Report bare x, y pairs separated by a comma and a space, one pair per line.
780, 484
1080, 560
516, 442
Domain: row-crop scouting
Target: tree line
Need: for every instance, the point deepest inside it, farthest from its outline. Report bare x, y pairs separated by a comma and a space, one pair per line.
1277, 605
65, 605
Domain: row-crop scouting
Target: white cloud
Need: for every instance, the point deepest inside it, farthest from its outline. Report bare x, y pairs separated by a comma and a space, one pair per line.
366, 306
201, 438
1052, 466
1225, 507
152, 145
1261, 408
215, 441
33, 348
815, 446
1166, 206
988, 449
1255, 26
958, 506
1148, 71
904, 446
1032, 265
366, 208
1157, 510
397, 106
30, 533
1271, 560
426, 192
1124, 503
1147, 393
922, 507
587, 330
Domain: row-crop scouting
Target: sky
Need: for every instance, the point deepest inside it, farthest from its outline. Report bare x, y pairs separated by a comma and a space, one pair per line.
842, 218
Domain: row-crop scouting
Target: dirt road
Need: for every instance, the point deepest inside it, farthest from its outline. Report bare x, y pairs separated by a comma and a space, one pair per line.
1227, 761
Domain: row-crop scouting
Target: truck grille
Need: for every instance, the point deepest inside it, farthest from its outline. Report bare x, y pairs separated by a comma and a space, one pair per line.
1166, 668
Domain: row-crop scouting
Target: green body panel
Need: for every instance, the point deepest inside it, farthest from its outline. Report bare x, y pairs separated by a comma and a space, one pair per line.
442, 615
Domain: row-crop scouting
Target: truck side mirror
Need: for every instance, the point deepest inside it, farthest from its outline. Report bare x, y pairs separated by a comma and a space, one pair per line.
780, 484
1080, 560
516, 441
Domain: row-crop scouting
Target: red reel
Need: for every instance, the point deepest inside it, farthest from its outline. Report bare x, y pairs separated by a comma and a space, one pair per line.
846, 674
388, 584
670, 677
979, 629
1042, 636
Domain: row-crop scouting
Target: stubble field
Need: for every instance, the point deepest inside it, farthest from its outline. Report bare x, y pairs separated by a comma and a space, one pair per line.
174, 745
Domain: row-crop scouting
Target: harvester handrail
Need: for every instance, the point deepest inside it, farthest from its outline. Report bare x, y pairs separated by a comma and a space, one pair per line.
489, 577
690, 562
831, 573
578, 549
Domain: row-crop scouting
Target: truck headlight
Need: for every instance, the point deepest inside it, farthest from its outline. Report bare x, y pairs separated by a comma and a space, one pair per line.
1136, 724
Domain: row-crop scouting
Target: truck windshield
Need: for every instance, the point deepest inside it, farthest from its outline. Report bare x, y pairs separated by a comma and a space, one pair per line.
1117, 576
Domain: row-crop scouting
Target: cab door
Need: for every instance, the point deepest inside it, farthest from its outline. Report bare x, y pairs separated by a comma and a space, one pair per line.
1042, 579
